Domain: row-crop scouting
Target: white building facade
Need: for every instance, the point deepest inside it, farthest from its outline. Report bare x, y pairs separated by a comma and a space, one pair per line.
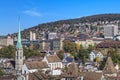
94, 55
54, 63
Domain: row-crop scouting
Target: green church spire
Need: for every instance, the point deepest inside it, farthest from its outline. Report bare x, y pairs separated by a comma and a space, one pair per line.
19, 45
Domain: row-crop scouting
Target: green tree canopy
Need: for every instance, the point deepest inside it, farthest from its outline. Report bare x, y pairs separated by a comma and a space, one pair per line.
90, 48
30, 52
61, 54
83, 54
8, 51
1, 72
70, 47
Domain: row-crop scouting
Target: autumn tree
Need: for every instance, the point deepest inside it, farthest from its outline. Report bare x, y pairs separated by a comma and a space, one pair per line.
97, 59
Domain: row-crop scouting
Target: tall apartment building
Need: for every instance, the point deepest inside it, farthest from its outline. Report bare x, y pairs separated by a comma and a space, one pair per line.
110, 31
32, 36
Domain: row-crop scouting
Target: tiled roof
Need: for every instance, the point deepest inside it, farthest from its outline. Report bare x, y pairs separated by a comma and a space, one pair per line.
53, 58
109, 67
9, 77
35, 58
72, 71
37, 76
108, 44
113, 78
36, 64
91, 75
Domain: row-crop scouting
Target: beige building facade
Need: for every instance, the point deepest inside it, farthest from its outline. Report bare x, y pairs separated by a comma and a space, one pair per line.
6, 41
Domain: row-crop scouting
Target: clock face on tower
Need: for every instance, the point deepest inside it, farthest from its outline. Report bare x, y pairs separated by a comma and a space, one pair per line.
21, 77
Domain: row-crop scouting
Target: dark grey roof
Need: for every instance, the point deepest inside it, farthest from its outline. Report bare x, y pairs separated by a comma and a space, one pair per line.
69, 59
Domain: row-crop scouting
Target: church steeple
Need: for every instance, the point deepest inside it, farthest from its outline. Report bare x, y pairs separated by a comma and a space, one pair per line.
19, 45
109, 67
19, 52
19, 75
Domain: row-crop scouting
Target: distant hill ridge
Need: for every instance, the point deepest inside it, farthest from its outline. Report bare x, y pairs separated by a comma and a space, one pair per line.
55, 26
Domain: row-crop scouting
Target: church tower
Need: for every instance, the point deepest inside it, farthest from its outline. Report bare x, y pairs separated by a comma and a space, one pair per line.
19, 53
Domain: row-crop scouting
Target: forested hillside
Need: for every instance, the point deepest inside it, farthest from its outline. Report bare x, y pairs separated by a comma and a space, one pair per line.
70, 25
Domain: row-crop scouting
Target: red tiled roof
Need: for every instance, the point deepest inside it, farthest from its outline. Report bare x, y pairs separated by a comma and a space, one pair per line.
72, 71
36, 64
91, 75
38, 76
53, 58
109, 67
108, 44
